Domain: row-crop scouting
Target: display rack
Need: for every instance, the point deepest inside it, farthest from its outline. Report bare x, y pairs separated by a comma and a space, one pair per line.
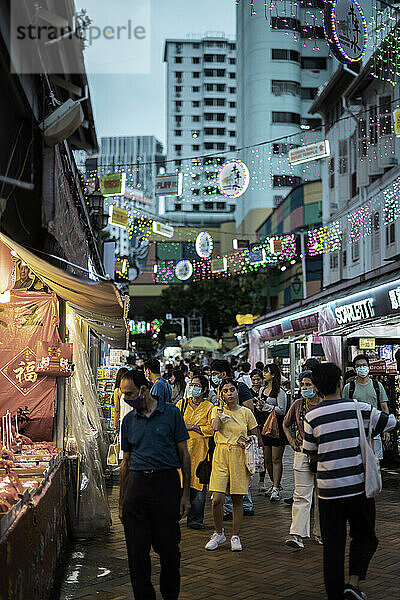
105, 392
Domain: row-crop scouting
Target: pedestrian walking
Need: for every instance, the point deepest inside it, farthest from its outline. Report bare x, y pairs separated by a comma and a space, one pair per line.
365, 389
154, 446
196, 412
244, 375
178, 385
332, 437
161, 388
120, 408
257, 383
231, 423
305, 488
273, 397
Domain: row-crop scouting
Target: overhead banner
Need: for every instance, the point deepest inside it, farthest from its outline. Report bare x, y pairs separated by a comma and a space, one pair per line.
307, 153
29, 318
169, 184
113, 184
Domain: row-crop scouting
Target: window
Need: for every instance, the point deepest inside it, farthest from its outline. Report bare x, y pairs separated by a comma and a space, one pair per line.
196, 74
285, 23
232, 104
208, 205
221, 87
178, 147
221, 205
283, 54
308, 93
232, 134
355, 251
178, 120
232, 46
208, 145
195, 147
208, 131
375, 226
195, 45
178, 132
196, 118
196, 207
178, 60
373, 126
232, 61
332, 172
178, 48
178, 163
362, 139
232, 147
178, 88
343, 158
312, 4
232, 90
312, 32
195, 103
232, 75
178, 206
283, 148
196, 60
333, 261
214, 72
178, 104
220, 146
195, 89
232, 119
196, 192
285, 117
385, 115
279, 88
285, 180
178, 74
311, 123
390, 233
317, 63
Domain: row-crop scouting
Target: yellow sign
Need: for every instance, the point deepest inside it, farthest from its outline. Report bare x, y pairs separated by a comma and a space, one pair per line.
100, 373
118, 217
246, 319
113, 184
396, 117
367, 344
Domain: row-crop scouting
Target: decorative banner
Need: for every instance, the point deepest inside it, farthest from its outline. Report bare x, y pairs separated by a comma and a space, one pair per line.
219, 265
307, 153
204, 244
169, 184
113, 184
118, 217
29, 318
233, 178
162, 229
54, 360
345, 30
184, 270
257, 257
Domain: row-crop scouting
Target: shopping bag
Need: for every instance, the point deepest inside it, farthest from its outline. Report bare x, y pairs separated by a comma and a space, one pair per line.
271, 428
372, 472
112, 455
254, 455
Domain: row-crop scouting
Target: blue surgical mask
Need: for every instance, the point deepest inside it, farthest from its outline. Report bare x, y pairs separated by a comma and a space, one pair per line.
136, 403
216, 380
308, 393
196, 391
362, 371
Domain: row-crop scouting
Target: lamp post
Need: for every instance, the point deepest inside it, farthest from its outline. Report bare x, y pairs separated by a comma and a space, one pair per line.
95, 202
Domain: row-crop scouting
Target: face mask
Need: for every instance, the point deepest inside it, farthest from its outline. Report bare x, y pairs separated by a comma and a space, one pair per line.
216, 380
362, 371
190, 391
136, 403
309, 393
196, 391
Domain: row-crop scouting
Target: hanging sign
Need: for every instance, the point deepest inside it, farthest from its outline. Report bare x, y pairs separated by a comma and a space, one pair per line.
219, 265
184, 270
118, 217
345, 29
204, 244
307, 153
257, 257
169, 184
396, 117
233, 178
367, 344
357, 311
113, 184
162, 229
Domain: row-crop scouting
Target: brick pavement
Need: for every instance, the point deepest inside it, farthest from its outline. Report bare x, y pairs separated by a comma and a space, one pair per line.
265, 570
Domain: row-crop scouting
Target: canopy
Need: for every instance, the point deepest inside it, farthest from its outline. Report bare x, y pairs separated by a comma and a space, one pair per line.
99, 304
201, 343
237, 350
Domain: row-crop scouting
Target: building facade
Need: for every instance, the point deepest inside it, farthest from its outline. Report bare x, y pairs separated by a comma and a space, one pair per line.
201, 118
282, 61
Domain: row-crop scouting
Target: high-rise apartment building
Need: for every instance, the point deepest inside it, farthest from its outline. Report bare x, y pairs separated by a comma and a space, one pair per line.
201, 119
282, 61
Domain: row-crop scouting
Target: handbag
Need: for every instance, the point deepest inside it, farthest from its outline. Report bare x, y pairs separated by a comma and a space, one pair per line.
271, 428
254, 455
113, 453
373, 479
203, 471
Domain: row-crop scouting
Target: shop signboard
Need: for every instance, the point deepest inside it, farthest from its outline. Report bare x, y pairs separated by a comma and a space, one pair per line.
113, 184
355, 311
169, 184
118, 217
163, 229
219, 265
396, 117
367, 344
391, 367
377, 366
271, 332
345, 29
304, 323
307, 153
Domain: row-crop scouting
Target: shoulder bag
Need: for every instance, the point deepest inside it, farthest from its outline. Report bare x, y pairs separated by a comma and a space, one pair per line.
373, 479
203, 471
271, 428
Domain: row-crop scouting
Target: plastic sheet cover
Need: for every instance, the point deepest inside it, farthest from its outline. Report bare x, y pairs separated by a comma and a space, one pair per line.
84, 433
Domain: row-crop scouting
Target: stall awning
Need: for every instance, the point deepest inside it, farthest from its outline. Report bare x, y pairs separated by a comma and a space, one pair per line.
99, 304
237, 350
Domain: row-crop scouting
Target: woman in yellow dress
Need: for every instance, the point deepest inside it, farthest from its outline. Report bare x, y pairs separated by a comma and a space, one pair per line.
196, 412
229, 474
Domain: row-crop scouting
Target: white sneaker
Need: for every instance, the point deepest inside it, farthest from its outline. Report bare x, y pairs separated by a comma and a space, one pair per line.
215, 540
295, 541
269, 490
275, 495
236, 545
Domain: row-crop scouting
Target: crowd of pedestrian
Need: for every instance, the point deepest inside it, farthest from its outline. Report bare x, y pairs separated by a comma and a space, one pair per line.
203, 422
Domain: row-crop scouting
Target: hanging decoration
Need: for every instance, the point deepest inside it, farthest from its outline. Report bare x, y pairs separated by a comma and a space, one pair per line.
386, 47
360, 223
324, 239
392, 202
233, 178
184, 270
345, 29
204, 244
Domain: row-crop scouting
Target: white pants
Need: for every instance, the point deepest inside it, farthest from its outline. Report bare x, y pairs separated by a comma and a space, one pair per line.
305, 489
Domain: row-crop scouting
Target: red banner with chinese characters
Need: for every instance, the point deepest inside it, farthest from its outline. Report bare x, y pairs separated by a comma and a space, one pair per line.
29, 318
54, 359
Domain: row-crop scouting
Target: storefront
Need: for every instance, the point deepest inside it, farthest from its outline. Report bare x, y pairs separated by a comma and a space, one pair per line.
52, 433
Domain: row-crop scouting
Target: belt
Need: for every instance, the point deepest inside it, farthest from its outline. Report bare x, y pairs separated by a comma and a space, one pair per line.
152, 472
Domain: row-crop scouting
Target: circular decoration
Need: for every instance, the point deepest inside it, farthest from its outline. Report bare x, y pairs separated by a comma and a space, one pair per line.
233, 178
345, 28
183, 270
204, 244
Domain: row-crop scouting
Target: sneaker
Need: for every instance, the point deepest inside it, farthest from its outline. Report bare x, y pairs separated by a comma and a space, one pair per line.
236, 545
318, 540
215, 540
354, 593
289, 500
269, 490
294, 541
275, 495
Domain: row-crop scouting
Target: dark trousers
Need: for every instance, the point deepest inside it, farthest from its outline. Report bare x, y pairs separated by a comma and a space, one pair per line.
198, 503
334, 515
151, 519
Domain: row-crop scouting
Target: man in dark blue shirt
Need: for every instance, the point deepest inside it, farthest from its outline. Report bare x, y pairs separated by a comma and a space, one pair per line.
160, 389
153, 440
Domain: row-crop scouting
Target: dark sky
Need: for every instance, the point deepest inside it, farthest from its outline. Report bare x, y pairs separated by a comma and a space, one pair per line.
134, 104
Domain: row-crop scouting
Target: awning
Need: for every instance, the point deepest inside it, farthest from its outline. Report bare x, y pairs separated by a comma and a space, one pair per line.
99, 304
237, 350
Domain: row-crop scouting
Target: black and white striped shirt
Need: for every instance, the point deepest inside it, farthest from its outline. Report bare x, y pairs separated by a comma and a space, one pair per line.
331, 431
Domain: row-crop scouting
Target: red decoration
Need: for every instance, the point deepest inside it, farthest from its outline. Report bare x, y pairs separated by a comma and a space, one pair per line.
54, 360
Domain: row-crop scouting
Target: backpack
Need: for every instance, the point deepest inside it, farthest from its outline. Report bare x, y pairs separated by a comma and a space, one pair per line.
352, 389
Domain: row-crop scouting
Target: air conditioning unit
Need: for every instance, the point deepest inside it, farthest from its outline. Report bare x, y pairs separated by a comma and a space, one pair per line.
386, 151
62, 122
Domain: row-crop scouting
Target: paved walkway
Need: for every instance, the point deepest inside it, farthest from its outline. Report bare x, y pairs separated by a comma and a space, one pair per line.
265, 570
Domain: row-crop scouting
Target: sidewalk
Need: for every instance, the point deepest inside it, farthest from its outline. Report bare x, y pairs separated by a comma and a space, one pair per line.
265, 570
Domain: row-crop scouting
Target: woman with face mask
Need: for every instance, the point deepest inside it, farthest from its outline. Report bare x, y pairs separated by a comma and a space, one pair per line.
196, 412
178, 385
305, 488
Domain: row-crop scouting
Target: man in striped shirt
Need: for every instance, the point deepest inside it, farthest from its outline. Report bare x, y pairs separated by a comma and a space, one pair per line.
331, 436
